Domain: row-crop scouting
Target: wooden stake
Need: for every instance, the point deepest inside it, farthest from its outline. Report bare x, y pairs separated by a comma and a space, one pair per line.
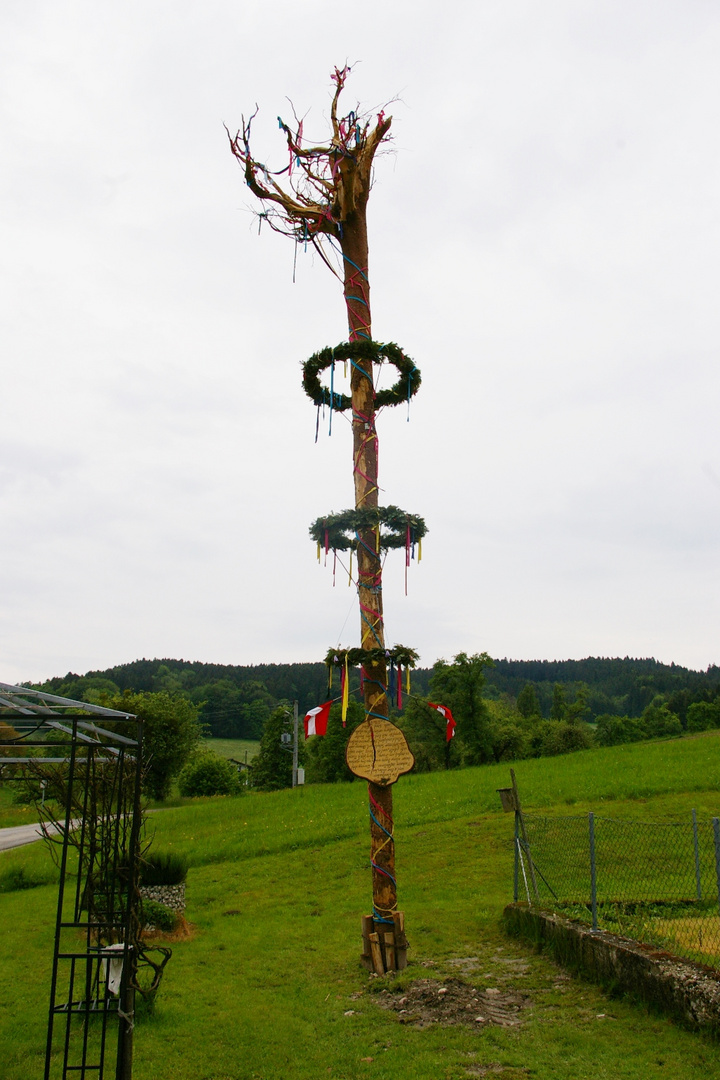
377, 954
367, 930
389, 951
401, 944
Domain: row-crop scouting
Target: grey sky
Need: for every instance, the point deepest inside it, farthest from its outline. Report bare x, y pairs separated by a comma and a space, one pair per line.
544, 242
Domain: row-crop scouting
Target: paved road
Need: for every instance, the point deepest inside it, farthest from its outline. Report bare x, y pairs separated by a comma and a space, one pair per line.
19, 835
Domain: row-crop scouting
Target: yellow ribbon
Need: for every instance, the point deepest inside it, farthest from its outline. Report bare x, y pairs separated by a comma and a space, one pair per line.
345, 691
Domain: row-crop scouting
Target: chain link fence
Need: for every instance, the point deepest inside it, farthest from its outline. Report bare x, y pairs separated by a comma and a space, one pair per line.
654, 882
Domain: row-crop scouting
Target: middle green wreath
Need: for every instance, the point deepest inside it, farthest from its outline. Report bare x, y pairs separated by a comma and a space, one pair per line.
397, 528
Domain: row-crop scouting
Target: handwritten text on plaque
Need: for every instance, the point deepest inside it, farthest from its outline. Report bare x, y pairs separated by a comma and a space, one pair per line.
378, 751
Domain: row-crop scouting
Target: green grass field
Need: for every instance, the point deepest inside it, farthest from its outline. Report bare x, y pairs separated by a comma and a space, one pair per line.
233, 748
10, 812
271, 988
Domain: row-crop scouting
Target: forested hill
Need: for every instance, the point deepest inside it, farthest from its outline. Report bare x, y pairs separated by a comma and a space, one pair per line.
624, 686
235, 700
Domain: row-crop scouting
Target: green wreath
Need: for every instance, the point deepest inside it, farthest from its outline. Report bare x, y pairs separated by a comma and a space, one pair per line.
337, 531
406, 387
400, 655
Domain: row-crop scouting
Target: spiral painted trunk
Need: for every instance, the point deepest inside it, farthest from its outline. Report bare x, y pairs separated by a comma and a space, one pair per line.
354, 246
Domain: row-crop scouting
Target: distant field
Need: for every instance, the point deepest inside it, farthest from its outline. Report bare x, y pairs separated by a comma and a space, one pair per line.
270, 987
234, 748
10, 813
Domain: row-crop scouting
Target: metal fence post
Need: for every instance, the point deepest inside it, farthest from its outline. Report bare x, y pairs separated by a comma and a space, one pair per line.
698, 882
716, 834
593, 878
516, 867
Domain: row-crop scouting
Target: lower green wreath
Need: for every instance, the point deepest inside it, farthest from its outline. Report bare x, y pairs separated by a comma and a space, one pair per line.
400, 655
339, 531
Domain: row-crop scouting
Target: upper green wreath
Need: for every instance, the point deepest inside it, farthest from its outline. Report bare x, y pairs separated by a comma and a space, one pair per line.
406, 387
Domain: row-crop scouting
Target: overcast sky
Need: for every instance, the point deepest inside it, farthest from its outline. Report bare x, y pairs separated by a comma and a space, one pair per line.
544, 242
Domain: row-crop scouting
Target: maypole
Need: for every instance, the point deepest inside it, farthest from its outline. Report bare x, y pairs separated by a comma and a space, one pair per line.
322, 200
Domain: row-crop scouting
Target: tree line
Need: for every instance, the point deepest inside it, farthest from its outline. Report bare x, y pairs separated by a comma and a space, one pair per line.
505, 709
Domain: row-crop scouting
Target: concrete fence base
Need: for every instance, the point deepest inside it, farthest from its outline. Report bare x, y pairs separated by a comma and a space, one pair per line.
688, 992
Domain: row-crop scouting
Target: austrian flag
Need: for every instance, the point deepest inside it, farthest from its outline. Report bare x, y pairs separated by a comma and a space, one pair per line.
444, 711
316, 720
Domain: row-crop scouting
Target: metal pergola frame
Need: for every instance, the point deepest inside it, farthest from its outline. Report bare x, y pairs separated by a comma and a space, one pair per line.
90, 758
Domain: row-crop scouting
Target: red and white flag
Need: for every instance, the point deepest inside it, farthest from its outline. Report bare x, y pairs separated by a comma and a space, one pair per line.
450, 726
316, 720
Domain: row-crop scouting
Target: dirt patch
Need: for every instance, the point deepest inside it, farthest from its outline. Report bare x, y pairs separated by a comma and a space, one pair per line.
427, 1001
184, 931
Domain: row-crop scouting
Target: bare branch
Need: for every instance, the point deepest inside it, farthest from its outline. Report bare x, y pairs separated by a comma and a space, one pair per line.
332, 181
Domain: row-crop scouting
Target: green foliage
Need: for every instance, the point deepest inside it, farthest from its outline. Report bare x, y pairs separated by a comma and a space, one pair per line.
339, 531
91, 687
407, 385
511, 742
272, 768
158, 915
616, 686
163, 868
424, 729
27, 791
17, 878
703, 715
558, 710
208, 774
171, 732
579, 709
528, 703
229, 711
659, 721
325, 754
459, 686
615, 730
563, 737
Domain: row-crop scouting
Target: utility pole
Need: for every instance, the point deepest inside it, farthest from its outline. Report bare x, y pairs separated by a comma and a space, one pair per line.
295, 745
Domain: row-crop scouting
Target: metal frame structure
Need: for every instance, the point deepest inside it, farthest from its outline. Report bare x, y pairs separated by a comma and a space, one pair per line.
92, 817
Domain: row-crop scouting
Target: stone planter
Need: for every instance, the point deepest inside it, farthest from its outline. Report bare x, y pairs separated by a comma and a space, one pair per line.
172, 896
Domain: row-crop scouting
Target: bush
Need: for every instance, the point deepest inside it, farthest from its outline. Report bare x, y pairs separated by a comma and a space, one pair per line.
510, 741
17, 878
559, 737
702, 715
614, 730
659, 721
325, 755
163, 868
158, 916
209, 774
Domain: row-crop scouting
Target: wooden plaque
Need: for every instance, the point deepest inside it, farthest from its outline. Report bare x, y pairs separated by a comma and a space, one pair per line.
378, 751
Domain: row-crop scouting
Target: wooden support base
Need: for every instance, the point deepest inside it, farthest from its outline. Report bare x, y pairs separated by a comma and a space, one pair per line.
384, 946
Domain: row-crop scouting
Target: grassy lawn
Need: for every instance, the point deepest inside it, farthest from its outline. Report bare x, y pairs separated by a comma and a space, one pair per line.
234, 748
12, 814
270, 987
